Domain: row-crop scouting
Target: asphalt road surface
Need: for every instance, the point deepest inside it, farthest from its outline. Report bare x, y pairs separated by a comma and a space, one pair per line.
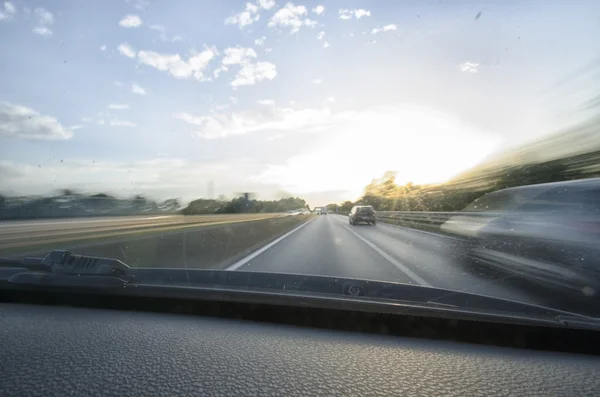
329, 246
325, 245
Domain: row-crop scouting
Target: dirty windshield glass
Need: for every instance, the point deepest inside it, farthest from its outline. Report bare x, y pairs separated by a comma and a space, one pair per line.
239, 135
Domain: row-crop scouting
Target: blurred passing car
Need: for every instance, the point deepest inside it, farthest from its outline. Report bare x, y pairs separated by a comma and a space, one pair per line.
362, 213
547, 232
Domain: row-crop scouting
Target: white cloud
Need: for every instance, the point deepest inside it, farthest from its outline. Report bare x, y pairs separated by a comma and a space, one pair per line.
161, 29
361, 13
127, 50
253, 73
319, 9
325, 44
268, 50
217, 72
158, 28
177, 66
244, 18
321, 35
131, 21
386, 28
238, 55
102, 47
469, 67
43, 19
118, 106
42, 31
358, 13
122, 123
136, 89
260, 41
8, 12
291, 16
22, 122
118, 83
331, 99
317, 81
43, 16
139, 4
177, 38
268, 102
271, 118
266, 4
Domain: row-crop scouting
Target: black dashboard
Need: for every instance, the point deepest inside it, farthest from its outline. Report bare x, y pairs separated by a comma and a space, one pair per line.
79, 349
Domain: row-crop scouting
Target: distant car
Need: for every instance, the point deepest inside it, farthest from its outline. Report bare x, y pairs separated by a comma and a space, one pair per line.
362, 213
548, 232
320, 211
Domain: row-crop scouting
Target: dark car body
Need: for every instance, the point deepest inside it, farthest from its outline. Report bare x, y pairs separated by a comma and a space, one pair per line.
362, 213
547, 232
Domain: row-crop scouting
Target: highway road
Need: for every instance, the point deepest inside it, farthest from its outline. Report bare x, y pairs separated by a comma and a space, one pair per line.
329, 246
324, 245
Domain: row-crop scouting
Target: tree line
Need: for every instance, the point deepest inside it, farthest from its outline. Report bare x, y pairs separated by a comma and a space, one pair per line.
572, 153
243, 205
385, 195
69, 204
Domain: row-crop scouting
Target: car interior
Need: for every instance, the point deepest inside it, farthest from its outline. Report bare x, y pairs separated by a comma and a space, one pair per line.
239, 343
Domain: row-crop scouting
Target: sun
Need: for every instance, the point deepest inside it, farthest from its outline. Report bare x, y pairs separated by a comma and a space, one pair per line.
421, 145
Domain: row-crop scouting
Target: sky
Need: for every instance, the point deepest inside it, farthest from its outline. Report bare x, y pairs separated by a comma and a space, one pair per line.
307, 98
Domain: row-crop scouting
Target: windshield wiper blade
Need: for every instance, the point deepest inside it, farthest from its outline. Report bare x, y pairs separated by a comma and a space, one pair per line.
64, 268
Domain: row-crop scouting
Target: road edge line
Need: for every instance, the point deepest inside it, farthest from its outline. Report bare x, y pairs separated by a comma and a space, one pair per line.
262, 249
390, 259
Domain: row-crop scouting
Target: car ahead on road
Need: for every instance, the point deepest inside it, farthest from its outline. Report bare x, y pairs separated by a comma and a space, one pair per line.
362, 213
548, 232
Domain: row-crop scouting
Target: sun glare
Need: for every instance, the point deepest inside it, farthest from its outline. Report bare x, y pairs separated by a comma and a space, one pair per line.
421, 145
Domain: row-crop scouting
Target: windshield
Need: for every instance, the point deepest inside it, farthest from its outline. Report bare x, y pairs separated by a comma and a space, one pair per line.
452, 145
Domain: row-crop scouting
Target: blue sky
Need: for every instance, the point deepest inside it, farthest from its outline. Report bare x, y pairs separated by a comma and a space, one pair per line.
276, 97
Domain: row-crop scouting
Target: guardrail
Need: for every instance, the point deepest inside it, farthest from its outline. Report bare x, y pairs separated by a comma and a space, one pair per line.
428, 218
422, 218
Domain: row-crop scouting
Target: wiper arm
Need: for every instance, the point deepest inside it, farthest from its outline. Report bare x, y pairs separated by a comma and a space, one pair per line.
64, 268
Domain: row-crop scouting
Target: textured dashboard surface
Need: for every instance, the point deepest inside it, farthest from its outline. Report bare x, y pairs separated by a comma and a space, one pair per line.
57, 351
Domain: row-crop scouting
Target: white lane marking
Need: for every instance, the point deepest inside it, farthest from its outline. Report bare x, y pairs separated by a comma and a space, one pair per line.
262, 249
393, 261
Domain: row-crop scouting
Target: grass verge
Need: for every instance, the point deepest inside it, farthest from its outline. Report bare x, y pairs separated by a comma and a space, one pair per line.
204, 247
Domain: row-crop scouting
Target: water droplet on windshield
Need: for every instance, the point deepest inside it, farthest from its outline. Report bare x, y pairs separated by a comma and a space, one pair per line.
588, 291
